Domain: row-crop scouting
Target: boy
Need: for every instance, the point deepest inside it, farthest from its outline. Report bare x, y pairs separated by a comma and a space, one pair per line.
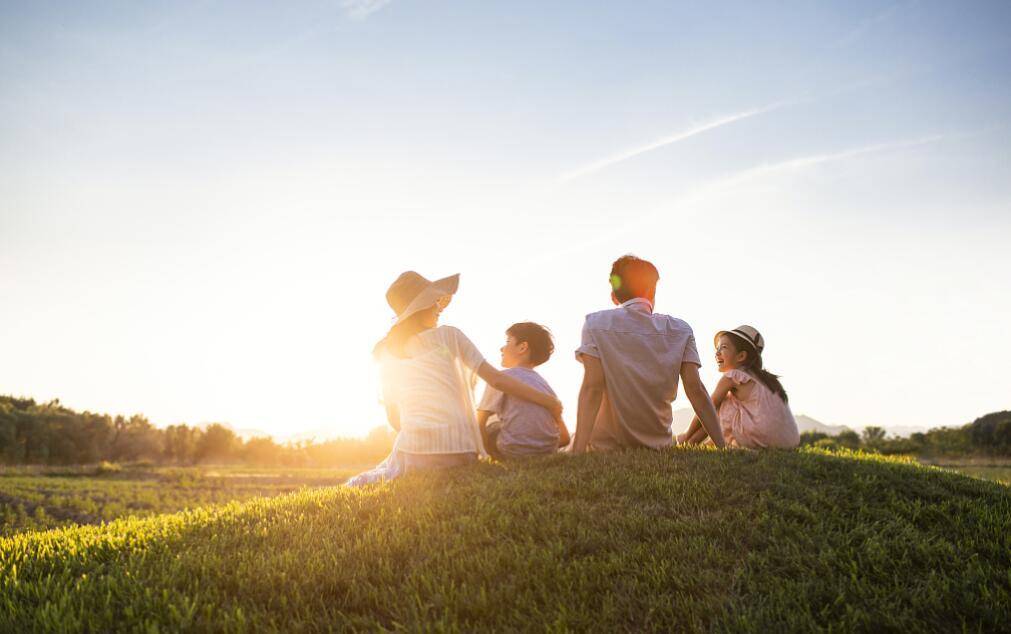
523, 429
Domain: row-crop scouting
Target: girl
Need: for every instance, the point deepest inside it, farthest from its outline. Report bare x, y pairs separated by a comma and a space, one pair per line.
428, 374
751, 401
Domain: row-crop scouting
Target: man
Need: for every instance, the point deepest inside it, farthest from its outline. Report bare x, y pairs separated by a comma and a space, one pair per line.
632, 358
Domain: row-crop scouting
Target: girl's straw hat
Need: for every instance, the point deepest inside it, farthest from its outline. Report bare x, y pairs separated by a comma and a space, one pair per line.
411, 293
748, 333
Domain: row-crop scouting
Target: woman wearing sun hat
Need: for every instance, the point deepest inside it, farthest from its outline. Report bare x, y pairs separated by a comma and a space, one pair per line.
753, 406
428, 375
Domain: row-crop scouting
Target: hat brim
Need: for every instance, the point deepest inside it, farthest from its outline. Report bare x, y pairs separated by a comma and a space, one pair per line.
430, 295
737, 333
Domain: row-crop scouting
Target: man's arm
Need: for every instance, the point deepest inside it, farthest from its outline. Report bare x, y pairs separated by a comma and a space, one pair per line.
591, 393
701, 403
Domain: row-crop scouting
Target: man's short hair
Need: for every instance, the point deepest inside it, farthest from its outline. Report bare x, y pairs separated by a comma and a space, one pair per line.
538, 339
633, 277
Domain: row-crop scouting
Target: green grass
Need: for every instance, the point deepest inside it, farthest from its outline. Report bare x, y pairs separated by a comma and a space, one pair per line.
33, 500
998, 474
985, 467
683, 540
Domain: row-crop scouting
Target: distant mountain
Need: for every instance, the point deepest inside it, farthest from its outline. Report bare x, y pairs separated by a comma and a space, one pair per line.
806, 423
683, 418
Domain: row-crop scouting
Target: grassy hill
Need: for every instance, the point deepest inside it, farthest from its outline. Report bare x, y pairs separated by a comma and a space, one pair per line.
678, 540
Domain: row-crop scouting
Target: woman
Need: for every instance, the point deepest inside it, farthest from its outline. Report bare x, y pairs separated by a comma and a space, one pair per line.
428, 374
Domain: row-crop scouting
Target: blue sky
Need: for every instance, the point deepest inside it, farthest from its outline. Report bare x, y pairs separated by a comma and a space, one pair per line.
201, 204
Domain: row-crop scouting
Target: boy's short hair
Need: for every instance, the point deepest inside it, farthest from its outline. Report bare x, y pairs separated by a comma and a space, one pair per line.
633, 277
538, 339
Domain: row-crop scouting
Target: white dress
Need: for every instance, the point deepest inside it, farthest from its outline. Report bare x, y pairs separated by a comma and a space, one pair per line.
433, 390
761, 420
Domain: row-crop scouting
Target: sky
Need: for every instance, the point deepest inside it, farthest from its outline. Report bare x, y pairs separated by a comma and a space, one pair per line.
202, 204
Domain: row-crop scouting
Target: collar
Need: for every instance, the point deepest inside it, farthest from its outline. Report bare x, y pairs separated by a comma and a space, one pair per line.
636, 301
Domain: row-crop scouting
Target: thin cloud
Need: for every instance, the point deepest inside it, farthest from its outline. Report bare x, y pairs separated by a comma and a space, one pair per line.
722, 184
869, 23
361, 9
664, 141
817, 159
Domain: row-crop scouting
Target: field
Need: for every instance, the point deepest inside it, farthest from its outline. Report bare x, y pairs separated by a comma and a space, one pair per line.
686, 540
997, 469
42, 498
986, 472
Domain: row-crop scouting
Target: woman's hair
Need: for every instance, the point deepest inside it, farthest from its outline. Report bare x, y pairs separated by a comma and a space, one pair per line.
753, 364
396, 339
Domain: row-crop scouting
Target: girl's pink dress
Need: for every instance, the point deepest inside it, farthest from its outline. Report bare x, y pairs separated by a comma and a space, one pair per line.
763, 420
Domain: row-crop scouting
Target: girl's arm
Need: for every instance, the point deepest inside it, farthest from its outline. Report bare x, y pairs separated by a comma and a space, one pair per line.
514, 387
691, 432
723, 388
695, 433
699, 437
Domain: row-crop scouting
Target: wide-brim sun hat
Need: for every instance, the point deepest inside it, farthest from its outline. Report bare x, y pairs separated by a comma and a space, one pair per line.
412, 292
750, 334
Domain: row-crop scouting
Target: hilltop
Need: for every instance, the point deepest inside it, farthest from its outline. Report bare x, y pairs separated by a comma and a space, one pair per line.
677, 540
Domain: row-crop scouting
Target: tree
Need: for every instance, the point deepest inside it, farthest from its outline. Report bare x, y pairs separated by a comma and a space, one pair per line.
849, 439
179, 444
218, 442
992, 433
873, 436
262, 451
135, 439
812, 437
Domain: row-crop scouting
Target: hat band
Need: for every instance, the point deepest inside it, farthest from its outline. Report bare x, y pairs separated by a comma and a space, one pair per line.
753, 341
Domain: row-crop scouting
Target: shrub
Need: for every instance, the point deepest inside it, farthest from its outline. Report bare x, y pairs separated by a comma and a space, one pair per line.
105, 467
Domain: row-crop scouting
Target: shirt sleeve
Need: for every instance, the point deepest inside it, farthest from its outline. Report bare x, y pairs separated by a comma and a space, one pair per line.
588, 345
739, 377
691, 354
491, 401
466, 350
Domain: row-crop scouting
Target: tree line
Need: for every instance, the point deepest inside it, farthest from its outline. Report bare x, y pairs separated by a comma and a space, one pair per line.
51, 434
987, 435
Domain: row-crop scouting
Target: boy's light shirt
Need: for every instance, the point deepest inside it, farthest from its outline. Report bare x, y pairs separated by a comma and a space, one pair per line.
527, 428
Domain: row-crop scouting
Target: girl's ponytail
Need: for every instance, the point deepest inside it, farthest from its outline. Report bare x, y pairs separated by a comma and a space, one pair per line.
771, 381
